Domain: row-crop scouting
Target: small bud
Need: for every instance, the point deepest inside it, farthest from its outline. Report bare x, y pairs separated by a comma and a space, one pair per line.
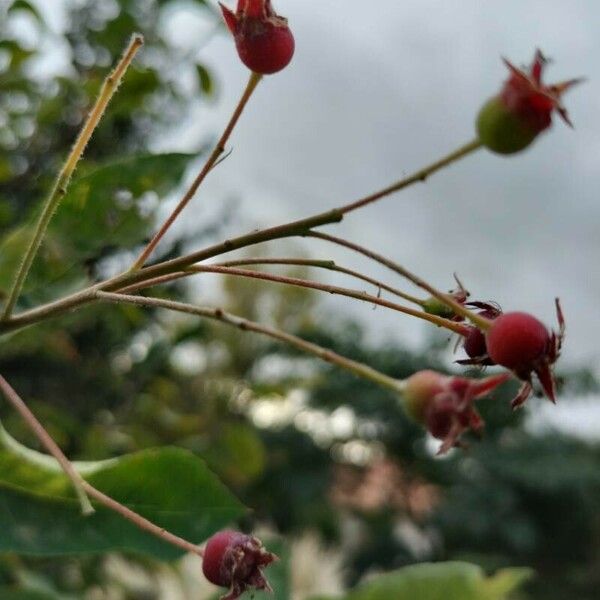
263, 39
235, 560
434, 306
510, 121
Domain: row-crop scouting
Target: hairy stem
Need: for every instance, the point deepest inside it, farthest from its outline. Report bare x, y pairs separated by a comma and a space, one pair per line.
218, 314
206, 169
59, 189
81, 486
459, 309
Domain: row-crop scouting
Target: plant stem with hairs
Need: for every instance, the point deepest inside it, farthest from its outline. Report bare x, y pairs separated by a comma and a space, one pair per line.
59, 189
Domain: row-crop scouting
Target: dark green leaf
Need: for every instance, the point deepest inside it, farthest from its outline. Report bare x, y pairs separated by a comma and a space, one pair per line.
171, 487
205, 80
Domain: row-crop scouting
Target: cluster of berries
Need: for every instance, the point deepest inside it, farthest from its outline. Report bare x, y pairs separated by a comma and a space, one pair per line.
508, 123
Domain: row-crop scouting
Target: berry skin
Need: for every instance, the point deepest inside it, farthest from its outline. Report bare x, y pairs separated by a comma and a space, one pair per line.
517, 340
263, 39
523, 344
444, 404
419, 391
235, 560
512, 120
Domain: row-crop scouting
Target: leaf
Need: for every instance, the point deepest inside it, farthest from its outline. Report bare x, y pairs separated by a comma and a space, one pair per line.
114, 204
205, 80
441, 581
48, 267
171, 487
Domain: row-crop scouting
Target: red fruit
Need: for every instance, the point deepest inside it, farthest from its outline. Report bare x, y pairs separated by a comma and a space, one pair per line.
510, 121
517, 340
263, 39
444, 405
522, 343
235, 560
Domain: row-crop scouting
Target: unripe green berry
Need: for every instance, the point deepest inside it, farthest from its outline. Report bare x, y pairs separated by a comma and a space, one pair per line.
501, 130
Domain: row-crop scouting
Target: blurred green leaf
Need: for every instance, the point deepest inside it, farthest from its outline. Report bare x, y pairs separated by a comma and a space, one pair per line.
441, 581
171, 487
205, 80
114, 204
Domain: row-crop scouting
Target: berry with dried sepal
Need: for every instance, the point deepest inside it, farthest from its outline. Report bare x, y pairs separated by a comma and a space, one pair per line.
444, 404
510, 121
523, 344
235, 560
263, 39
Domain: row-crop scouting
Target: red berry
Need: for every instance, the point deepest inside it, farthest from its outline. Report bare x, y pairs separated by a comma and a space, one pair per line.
475, 345
510, 121
517, 340
235, 560
263, 39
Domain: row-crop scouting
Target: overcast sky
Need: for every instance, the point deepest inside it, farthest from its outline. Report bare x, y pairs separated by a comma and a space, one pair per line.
379, 89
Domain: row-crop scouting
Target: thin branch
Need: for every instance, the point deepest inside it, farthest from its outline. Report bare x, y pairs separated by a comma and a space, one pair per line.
59, 189
286, 230
212, 161
419, 176
49, 444
59, 307
81, 486
458, 308
218, 314
332, 289
330, 265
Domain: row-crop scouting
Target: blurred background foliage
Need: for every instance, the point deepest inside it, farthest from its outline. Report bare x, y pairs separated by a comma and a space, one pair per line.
328, 463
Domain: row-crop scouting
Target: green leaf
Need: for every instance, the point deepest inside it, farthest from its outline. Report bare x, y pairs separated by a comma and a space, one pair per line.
205, 80
169, 486
441, 581
49, 266
114, 204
